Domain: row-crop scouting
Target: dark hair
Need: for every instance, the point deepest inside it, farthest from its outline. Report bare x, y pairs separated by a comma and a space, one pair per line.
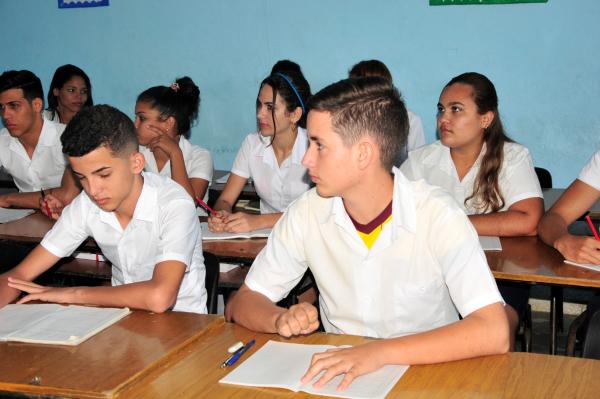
61, 76
24, 80
97, 126
283, 84
370, 68
180, 100
370, 105
283, 66
486, 193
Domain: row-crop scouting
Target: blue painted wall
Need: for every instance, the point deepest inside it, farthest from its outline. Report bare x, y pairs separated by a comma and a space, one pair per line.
543, 58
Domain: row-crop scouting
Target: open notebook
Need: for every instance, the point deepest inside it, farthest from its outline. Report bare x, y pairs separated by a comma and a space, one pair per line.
490, 243
55, 324
282, 364
209, 235
8, 215
590, 266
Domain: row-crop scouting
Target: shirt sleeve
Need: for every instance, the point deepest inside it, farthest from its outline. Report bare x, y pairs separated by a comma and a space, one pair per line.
241, 165
464, 266
590, 174
70, 230
279, 267
179, 232
520, 180
200, 166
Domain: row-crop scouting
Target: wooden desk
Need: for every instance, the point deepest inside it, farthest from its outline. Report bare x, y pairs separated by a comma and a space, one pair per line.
112, 361
515, 375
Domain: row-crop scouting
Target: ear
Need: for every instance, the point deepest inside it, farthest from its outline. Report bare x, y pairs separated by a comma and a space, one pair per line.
365, 152
55, 92
37, 105
296, 115
171, 124
137, 162
487, 119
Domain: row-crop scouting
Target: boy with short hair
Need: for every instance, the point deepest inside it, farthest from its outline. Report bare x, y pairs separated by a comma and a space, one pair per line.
145, 224
392, 258
30, 149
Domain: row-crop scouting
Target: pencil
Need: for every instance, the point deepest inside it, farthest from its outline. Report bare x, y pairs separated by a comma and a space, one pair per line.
592, 227
46, 204
205, 206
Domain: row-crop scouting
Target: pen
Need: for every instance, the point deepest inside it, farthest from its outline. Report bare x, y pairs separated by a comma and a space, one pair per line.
234, 358
589, 220
205, 206
46, 203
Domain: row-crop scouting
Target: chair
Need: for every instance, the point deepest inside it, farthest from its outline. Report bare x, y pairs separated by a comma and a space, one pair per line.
211, 281
591, 344
544, 177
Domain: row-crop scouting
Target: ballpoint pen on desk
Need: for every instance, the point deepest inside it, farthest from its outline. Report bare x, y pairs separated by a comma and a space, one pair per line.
205, 205
237, 354
45, 203
592, 227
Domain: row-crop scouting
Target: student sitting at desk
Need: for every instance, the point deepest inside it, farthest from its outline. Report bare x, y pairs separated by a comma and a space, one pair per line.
70, 91
145, 225
416, 135
30, 149
272, 157
392, 258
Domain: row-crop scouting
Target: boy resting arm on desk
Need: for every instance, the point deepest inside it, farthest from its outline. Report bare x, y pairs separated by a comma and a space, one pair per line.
145, 224
392, 259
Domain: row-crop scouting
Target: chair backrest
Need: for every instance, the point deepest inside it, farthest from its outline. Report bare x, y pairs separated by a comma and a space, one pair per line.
591, 345
211, 281
544, 177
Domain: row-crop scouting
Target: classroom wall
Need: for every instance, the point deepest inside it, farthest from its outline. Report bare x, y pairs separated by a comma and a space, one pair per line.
543, 58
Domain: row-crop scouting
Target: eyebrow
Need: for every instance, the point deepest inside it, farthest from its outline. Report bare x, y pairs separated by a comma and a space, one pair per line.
94, 172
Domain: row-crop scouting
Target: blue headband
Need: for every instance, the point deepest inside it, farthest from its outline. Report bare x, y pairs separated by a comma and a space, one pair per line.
293, 88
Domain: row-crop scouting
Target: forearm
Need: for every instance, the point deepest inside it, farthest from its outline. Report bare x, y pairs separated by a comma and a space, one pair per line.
552, 227
179, 173
223, 205
464, 339
504, 224
253, 311
267, 220
22, 200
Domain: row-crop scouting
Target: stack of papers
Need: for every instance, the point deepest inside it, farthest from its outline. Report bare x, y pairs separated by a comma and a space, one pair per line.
281, 365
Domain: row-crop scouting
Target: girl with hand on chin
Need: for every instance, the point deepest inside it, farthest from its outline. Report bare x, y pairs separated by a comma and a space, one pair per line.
272, 157
163, 119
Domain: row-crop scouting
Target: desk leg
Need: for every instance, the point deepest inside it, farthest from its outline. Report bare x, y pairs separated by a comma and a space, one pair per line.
552, 325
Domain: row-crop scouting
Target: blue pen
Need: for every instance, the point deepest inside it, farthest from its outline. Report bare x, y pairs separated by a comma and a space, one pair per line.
234, 358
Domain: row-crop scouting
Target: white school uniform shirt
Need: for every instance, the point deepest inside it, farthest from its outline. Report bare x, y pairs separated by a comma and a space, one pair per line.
164, 227
590, 174
198, 162
424, 269
44, 169
277, 186
51, 115
415, 139
517, 179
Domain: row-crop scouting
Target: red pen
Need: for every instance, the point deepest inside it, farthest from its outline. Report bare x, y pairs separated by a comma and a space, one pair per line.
589, 220
46, 204
205, 206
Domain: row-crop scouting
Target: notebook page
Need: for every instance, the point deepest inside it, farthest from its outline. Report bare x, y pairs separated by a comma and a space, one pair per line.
16, 317
584, 265
69, 325
490, 243
209, 235
8, 215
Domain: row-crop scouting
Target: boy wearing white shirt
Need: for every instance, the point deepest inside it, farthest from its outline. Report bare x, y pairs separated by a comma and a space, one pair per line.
145, 224
30, 149
392, 259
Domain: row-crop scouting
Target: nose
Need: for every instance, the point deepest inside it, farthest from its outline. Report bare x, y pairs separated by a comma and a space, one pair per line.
308, 158
261, 112
93, 186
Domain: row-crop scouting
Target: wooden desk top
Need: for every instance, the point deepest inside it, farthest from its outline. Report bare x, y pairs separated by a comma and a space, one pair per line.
106, 364
515, 375
31, 228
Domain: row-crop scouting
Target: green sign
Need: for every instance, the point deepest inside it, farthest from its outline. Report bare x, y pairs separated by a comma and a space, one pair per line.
461, 2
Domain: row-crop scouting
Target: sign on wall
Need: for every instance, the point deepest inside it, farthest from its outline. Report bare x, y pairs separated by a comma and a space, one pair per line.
81, 3
461, 2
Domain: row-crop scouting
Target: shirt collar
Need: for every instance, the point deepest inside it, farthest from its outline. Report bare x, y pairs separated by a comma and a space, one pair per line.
265, 150
441, 159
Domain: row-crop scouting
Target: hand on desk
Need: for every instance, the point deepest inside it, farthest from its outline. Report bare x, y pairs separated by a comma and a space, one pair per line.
238, 222
4, 201
39, 292
50, 203
579, 249
352, 362
302, 318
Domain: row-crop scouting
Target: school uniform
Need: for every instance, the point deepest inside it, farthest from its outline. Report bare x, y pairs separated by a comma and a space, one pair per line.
46, 166
198, 162
164, 227
276, 185
50, 115
424, 269
517, 179
415, 139
590, 174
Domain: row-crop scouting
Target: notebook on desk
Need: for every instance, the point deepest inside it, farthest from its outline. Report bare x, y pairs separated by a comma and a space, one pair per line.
589, 266
209, 235
55, 324
282, 364
8, 215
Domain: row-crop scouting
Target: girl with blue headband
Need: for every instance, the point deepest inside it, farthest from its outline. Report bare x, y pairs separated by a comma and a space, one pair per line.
272, 157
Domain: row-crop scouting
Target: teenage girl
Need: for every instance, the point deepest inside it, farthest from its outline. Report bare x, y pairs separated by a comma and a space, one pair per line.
272, 157
70, 90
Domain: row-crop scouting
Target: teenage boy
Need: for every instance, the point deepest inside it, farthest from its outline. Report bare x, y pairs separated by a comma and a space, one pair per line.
145, 224
30, 149
392, 258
